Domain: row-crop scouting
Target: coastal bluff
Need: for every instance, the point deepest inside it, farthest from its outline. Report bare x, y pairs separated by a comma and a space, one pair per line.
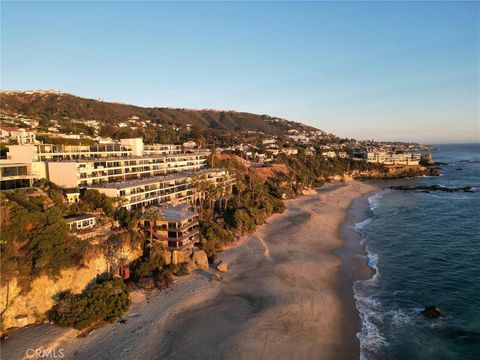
22, 306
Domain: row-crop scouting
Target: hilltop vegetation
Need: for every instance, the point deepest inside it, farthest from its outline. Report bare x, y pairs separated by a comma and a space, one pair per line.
46, 106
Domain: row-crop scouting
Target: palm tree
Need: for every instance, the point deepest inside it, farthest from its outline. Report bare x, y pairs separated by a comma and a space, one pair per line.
151, 216
225, 191
228, 191
199, 184
211, 192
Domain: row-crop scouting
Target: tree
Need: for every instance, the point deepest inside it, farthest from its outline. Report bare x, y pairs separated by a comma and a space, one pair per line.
98, 200
151, 216
38, 243
243, 222
200, 185
105, 301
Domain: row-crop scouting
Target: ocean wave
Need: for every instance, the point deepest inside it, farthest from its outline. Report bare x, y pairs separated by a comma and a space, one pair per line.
359, 226
405, 316
372, 341
374, 200
372, 261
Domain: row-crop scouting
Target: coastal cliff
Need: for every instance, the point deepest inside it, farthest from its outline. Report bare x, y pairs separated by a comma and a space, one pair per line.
396, 172
21, 307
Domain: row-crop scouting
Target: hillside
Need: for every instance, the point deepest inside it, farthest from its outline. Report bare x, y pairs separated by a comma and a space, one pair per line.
45, 106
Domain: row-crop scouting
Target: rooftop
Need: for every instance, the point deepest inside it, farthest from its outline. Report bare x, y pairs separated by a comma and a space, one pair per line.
175, 213
78, 217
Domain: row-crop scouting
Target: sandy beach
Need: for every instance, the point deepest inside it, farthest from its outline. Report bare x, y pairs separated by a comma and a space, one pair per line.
287, 296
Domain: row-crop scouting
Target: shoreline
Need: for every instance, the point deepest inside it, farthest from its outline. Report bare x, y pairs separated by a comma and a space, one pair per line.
355, 263
304, 296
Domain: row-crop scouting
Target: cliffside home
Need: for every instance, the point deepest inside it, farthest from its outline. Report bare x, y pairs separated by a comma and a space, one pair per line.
176, 227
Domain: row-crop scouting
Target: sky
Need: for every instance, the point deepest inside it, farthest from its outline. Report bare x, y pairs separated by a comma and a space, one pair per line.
405, 71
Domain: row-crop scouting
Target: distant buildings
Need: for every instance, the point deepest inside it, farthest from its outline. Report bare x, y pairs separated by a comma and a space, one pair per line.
269, 141
393, 158
18, 135
335, 154
189, 145
290, 151
299, 138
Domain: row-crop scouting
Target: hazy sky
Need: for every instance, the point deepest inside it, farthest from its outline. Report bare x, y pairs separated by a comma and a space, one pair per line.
382, 70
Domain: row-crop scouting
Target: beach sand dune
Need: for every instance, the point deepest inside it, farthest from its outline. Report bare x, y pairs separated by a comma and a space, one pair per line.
280, 300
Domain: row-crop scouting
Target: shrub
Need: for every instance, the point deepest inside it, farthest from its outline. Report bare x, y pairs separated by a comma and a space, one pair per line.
163, 280
243, 221
257, 215
98, 200
104, 301
150, 268
214, 237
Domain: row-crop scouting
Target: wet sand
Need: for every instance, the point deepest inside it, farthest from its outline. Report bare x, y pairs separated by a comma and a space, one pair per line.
287, 295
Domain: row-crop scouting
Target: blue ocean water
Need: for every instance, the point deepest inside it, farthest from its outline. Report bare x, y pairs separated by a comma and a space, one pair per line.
425, 250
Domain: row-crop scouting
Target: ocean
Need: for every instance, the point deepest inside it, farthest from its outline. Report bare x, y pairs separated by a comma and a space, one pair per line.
424, 249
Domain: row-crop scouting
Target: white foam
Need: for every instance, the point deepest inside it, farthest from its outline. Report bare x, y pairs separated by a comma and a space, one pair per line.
372, 260
371, 339
362, 224
374, 200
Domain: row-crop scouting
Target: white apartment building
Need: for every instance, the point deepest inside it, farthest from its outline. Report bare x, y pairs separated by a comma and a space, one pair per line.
49, 152
83, 173
393, 158
157, 149
159, 190
72, 166
16, 175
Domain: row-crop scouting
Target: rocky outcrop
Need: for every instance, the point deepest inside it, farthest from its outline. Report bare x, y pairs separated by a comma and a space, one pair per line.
200, 259
308, 191
192, 258
396, 172
20, 307
426, 160
427, 188
222, 266
431, 312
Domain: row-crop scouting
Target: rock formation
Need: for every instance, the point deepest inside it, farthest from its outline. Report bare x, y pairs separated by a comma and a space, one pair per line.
200, 259
431, 312
425, 188
222, 266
